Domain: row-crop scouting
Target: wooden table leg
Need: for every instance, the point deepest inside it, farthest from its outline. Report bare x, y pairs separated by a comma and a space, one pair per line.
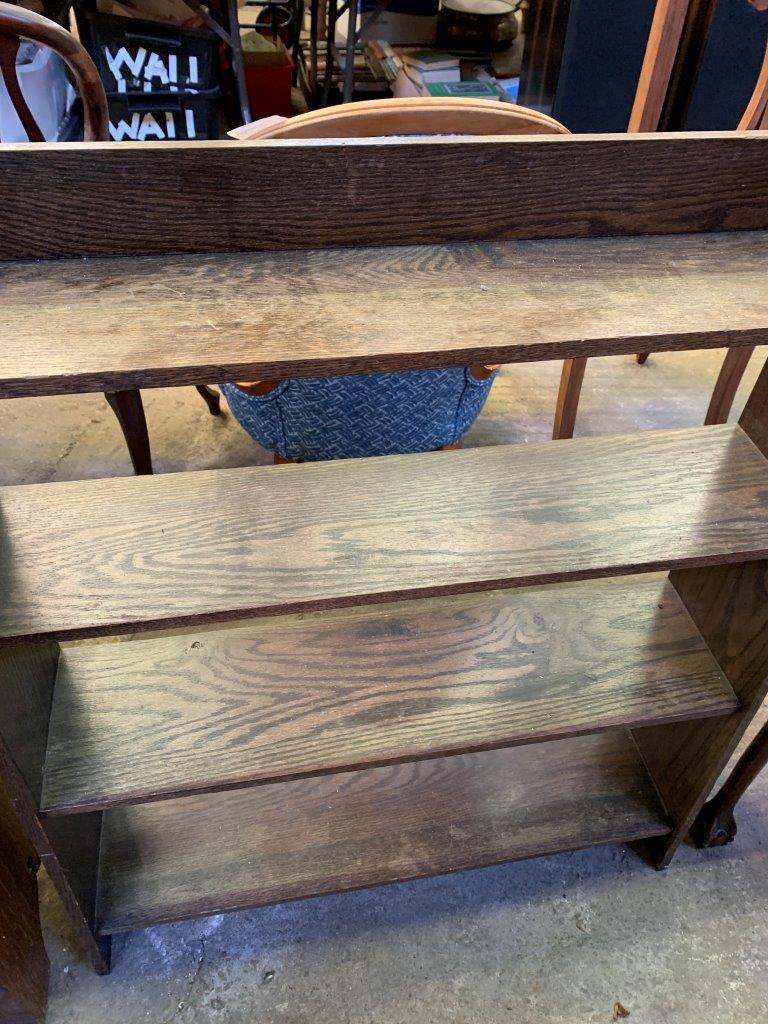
571, 380
129, 409
727, 384
23, 960
715, 824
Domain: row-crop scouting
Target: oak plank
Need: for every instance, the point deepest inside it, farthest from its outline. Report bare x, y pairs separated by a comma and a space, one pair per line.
296, 696
119, 555
171, 320
225, 851
124, 198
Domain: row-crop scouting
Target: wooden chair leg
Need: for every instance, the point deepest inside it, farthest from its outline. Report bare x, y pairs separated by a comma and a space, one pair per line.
715, 824
129, 409
571, 380
211, 398
727, 384
641, 357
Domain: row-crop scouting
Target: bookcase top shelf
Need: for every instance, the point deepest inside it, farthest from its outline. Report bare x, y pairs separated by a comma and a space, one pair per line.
178, 319
119, 555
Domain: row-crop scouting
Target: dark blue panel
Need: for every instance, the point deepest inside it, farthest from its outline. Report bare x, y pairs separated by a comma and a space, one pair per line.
602, 56
729, 70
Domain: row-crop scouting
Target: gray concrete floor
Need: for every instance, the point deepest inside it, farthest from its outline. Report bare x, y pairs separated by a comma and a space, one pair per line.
557, 940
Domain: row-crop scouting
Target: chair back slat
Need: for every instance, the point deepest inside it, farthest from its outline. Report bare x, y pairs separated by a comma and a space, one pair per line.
16, 23
755, 111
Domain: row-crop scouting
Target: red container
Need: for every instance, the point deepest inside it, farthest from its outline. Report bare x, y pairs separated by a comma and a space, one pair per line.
269, 84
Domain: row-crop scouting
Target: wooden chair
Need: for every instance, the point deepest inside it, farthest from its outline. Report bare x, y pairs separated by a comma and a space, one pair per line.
387, 413
663, 42
16, 24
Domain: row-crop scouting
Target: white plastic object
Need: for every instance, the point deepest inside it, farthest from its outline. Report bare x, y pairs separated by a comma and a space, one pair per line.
45, 87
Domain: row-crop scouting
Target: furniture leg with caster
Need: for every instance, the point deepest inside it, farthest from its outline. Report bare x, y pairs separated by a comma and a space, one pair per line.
715, 824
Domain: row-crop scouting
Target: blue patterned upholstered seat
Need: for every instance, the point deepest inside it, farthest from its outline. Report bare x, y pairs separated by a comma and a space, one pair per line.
362, 414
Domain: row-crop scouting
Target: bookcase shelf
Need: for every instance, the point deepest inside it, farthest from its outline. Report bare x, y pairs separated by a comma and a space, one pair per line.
290, 696
226, 851
451, 659
120, 555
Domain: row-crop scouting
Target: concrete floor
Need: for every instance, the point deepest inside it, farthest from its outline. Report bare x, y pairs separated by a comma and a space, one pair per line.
557, 940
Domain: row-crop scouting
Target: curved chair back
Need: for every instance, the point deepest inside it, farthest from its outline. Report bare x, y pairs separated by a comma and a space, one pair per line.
16, 24
756, 111
419, 115
389, 399
422, 115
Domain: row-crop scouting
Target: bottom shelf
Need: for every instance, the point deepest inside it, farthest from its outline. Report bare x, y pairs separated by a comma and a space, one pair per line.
227, 851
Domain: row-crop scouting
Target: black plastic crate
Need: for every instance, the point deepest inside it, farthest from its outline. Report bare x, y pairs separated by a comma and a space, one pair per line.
162, 116
131, 54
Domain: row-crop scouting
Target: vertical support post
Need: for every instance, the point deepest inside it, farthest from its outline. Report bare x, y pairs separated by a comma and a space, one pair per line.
68, 846
729, 604
23, 960
727, 384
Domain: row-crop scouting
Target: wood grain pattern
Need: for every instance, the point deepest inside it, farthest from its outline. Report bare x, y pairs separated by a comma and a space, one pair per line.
290, 696
207, 854
108, 556
174, 320
392, 191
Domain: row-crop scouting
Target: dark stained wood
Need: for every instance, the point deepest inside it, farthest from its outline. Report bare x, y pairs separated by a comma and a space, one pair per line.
157, 321
729, 605
754, 417
393, 192
23, 960
297, 696
27, 677
71, 858
571, 379
715, 824
206, 854
727, 384
68, 847
129, 411
107, 556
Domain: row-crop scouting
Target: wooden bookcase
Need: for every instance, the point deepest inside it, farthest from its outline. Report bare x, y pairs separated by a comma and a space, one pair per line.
383, 668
